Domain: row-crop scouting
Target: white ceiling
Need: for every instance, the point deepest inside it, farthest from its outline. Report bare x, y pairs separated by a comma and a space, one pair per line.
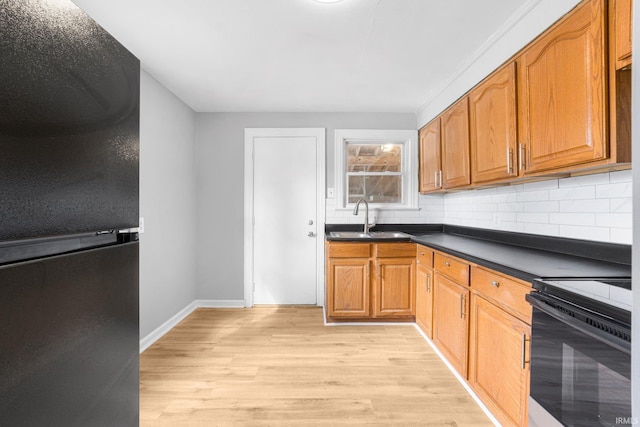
301, 55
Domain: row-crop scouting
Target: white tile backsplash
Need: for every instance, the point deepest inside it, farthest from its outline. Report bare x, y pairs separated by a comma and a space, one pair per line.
573, 218
573, 193
591, 207
611, 191
430, 211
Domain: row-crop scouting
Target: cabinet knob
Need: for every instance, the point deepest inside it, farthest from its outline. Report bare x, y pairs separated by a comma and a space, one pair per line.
447, 263
311, 234
495, 284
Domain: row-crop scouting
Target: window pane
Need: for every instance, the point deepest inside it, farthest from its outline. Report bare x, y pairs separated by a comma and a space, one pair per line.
375, 189
374, 157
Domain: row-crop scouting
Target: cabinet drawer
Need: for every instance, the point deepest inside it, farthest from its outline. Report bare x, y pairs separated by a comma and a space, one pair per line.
452, 267
349, 250
424, 256
395, 250
502, 290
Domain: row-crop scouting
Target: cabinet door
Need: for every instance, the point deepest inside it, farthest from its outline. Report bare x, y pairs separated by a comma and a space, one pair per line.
395, 287
430, 167
498, 361
348, 287
451, 321
424, 299
621, 26
561, 93
455, 145
492, 127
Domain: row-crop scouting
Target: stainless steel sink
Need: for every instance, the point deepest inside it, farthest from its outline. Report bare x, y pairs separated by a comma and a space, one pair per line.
389, 235
349, 235
371, 235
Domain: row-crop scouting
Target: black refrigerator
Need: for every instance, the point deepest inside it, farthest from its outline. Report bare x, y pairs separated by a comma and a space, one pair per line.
69, 154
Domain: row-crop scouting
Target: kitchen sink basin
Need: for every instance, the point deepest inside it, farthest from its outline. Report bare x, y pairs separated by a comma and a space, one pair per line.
349, 235
389, 235
376, 235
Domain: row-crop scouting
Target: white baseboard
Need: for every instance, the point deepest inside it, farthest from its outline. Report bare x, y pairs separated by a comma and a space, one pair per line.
459, 377
157, 333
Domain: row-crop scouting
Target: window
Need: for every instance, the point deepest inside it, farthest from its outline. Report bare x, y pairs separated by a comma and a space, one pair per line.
379, 166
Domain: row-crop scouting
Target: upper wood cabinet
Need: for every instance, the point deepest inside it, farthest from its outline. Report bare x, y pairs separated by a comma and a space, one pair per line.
620, 80
562, 87
455, 145
563, 108
430, 164
621, 29
492, 127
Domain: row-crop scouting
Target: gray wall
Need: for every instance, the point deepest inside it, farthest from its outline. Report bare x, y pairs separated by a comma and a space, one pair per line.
167, 203
220, 185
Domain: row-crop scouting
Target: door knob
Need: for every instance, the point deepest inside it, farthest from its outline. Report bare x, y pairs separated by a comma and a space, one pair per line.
310, 222
311, 234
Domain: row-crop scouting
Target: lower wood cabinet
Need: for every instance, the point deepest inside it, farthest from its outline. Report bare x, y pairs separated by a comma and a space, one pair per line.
395, 287
451, 321
347, 285
424, 289
477, 318
370, 280
498, 361
424, 299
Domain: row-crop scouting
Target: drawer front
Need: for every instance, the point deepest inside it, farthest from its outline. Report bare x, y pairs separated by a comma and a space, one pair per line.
503, 290
452, 268
424, 256
348, 250
395, 250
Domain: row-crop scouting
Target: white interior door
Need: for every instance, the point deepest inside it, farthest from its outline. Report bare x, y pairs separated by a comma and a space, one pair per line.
285, 230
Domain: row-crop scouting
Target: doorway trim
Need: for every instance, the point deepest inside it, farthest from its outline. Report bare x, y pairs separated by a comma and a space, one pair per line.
250, 135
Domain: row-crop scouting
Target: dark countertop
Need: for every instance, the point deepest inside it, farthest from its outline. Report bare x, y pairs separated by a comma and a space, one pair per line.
521, 262
523, 256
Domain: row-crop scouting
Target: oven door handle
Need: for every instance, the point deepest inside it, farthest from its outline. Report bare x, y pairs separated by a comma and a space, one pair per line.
538, 301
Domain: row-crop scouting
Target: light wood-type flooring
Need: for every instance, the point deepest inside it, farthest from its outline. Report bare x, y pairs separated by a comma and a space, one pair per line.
273, 366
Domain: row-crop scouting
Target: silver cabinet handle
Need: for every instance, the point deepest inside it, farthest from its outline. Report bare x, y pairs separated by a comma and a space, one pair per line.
523, 153
509, 165
495, 284
524, 348
311, 234
440, 180
427, 282
435, 179
461, 297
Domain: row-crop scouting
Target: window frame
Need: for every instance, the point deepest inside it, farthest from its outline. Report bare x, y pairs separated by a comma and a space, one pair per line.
409, 141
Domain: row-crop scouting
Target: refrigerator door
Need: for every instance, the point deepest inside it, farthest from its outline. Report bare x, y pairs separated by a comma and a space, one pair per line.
69, 339
69, 124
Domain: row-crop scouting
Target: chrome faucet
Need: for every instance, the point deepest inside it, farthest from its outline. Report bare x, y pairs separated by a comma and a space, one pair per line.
366, 215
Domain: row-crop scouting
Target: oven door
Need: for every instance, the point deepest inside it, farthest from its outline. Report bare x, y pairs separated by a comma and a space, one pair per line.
580, 367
